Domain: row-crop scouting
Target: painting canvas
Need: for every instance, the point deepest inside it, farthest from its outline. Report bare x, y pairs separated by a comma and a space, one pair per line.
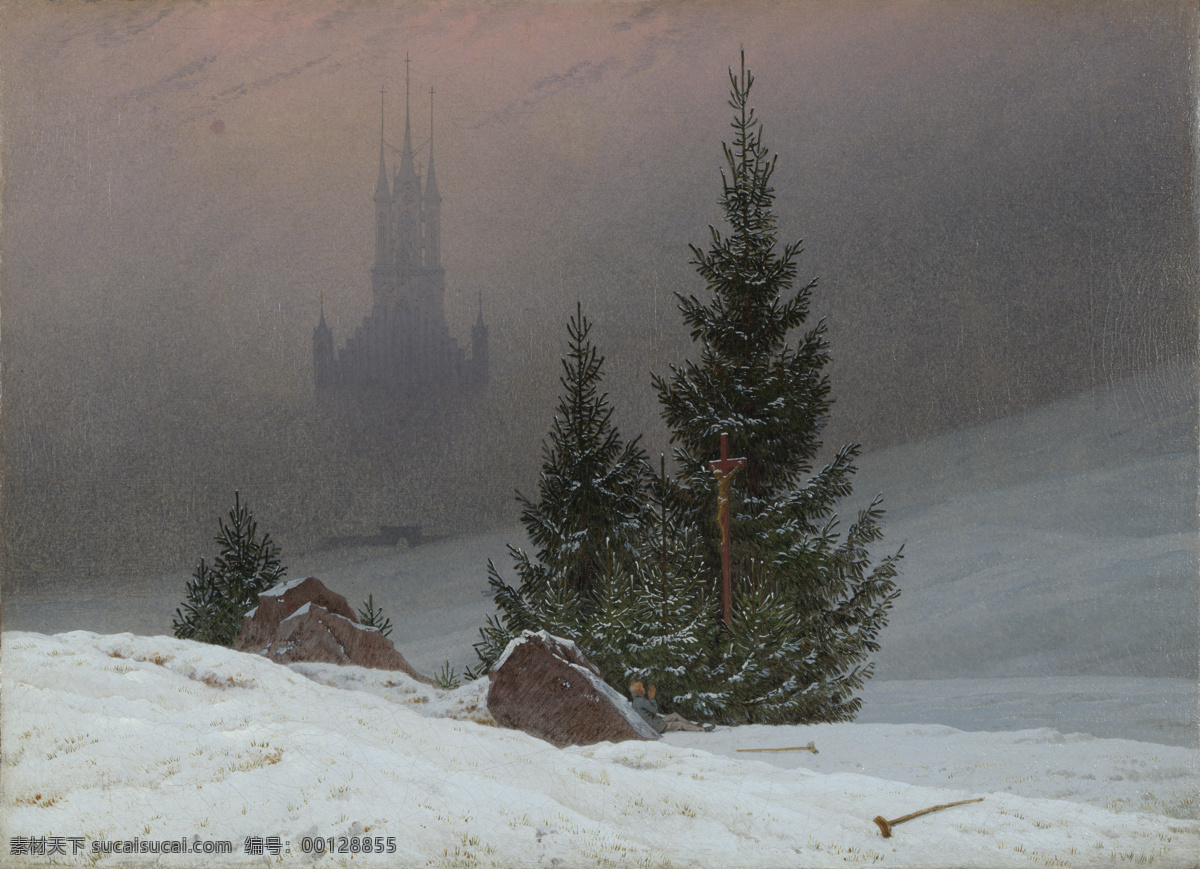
320, 260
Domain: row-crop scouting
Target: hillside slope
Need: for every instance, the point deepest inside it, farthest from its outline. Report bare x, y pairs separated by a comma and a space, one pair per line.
1059, 542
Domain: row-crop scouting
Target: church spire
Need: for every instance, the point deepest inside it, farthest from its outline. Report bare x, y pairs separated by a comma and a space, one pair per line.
432, 205
407, 195
431, 191
382, 191
383, 212
324, 364
478, 371
408, 173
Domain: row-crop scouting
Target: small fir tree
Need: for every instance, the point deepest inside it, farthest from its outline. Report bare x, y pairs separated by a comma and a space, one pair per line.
204, 616
586, 518
218, 597
808, 606
369, 616
447, 678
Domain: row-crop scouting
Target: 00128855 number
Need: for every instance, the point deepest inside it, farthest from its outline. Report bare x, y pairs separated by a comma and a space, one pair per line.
348, 845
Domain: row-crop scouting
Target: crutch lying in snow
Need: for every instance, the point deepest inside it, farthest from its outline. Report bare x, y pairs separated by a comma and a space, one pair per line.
809, 747
886, 826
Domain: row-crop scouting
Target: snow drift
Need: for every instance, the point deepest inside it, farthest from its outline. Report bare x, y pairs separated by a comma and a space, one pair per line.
123, 737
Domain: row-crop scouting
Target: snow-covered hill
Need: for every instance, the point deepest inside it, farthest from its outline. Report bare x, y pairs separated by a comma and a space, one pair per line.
1062, 542
151, 739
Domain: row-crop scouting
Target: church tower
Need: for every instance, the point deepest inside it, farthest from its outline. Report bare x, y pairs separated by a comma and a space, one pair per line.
403, 348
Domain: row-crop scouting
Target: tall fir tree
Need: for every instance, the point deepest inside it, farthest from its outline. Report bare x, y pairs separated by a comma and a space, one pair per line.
808, 605
219, 596
586, 518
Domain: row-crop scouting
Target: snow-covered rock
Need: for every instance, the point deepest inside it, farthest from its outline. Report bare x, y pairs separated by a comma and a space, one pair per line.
305, 621
543, 685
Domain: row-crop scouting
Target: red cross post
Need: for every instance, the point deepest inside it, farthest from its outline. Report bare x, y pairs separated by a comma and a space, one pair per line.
724, 470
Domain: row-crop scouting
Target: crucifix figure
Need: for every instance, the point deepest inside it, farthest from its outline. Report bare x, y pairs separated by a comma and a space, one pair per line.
724, 470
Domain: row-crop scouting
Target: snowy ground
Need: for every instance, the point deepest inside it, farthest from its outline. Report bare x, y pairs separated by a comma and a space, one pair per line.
1043, 655
1150, 710
156, 739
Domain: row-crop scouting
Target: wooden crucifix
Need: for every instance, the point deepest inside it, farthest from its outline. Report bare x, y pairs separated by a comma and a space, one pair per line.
724, 470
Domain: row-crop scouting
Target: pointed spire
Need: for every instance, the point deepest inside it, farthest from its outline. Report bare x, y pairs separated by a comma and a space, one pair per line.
323, 335
382, 191
479, 349
431, 191
408, 173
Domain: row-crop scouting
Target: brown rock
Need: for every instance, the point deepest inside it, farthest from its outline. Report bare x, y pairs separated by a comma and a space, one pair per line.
302, 620
275, 604
543, 685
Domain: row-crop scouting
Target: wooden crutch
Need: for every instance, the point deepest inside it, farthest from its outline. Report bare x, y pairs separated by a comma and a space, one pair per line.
885, 826
809, 747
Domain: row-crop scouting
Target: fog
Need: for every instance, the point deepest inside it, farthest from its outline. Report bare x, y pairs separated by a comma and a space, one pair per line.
996, 197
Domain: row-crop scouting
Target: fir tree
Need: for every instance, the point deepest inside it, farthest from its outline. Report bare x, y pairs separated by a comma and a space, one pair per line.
589, 494
808, 605
447, 678
204, 616
370, 616
586, 518
218, 597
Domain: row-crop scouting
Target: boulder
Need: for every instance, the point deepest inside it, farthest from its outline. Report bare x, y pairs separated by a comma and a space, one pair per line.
275, 604
302, 620
543, 685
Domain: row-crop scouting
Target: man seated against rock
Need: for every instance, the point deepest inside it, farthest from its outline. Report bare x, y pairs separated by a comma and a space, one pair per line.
647, 707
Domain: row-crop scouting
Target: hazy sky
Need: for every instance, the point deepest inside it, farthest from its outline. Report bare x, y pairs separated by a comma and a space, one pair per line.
995, 197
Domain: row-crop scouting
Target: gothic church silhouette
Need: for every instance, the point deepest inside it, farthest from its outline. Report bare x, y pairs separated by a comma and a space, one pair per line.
403, 347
